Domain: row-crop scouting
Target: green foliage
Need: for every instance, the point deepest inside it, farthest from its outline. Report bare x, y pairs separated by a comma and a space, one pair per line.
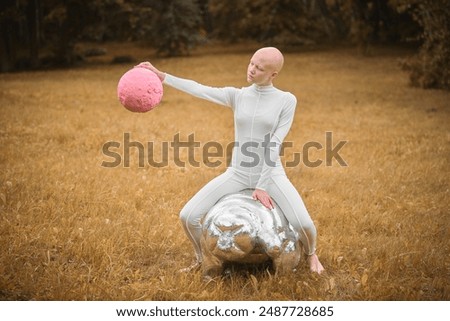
287, 22
28, 28
175, 26
430, 68
291, 22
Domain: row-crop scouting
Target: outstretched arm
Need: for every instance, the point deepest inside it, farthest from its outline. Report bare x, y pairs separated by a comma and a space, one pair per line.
223, 96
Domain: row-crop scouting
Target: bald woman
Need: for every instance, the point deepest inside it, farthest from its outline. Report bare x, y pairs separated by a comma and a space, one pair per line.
263, 116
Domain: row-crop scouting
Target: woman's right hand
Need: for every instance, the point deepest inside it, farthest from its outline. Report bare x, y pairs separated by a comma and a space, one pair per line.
149, 66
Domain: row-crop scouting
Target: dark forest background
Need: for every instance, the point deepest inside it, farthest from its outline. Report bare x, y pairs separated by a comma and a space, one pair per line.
37, 34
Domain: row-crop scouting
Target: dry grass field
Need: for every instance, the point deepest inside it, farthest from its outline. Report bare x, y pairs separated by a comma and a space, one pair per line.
72, 229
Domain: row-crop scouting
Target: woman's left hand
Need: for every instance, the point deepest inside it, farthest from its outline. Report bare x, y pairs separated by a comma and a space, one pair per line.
263, 197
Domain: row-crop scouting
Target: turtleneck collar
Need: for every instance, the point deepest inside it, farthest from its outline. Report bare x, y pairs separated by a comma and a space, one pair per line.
267, 88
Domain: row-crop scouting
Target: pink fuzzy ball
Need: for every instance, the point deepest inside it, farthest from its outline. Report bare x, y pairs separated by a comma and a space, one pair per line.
139, 90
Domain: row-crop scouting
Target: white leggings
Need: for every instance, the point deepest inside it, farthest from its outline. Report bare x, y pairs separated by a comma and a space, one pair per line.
280, 190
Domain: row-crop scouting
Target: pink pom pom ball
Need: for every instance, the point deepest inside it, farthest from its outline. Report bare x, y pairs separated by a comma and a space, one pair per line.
139, 90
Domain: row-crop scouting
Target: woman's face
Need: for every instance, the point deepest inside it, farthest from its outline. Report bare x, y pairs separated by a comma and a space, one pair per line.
260, 70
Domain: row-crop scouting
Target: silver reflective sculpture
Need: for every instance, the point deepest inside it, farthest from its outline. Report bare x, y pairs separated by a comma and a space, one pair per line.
240, 229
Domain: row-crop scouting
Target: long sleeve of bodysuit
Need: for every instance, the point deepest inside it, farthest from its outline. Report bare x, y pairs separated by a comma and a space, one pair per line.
222, 96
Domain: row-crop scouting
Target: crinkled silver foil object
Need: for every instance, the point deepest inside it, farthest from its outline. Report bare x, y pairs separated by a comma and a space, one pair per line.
239, 229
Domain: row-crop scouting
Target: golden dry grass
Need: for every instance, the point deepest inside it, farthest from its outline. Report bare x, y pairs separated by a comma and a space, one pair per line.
71, 229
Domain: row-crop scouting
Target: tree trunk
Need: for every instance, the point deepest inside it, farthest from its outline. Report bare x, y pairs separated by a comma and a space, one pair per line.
33, 19
8, 39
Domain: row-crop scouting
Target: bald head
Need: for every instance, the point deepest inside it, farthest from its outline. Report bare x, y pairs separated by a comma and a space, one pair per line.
271, 57
264, 66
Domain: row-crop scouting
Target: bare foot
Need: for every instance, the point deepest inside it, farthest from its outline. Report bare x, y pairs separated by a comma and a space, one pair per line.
193, 267
314, 264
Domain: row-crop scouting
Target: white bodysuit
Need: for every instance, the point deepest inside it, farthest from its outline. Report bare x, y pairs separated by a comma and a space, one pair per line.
262, 118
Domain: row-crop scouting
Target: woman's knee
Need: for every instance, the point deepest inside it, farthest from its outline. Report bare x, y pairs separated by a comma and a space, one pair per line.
305, 225
188, 217
311, 228
185, 214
